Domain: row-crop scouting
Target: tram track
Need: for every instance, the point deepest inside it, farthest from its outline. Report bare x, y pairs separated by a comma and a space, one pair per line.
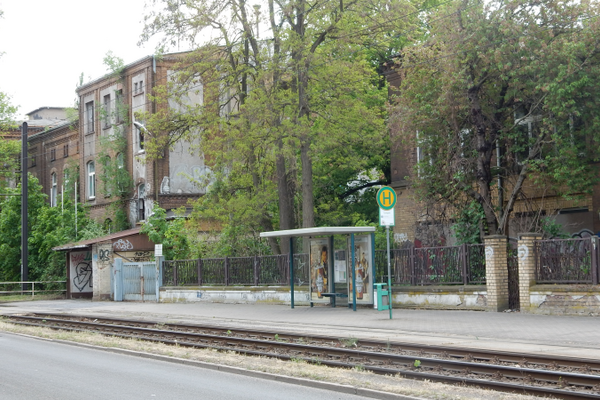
561, 377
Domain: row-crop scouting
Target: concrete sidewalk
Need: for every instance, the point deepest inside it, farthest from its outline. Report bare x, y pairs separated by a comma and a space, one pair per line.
564, 335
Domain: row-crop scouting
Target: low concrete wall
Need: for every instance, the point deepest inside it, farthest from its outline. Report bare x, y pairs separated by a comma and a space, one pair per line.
564, 300
441, 297
234, 294
435, 297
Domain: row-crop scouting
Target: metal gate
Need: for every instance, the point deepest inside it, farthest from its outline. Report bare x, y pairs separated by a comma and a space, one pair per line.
134, 281
513, 275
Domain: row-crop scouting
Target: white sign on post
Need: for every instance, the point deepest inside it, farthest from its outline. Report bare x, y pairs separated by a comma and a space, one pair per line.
158, 250
386, 217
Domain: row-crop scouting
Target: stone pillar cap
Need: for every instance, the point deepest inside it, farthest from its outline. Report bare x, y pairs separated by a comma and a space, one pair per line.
494, 237
530, 235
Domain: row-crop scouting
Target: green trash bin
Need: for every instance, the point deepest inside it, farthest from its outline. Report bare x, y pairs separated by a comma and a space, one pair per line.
382, 297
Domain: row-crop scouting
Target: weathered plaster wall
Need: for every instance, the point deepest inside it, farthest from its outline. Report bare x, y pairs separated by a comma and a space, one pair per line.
273, 295
565, 300
441, 297
102, 256
458, 298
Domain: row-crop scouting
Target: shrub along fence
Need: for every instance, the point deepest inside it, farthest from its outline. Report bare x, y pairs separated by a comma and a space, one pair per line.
450, 265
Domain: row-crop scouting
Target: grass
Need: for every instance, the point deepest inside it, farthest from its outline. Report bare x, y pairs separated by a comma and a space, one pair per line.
27, 297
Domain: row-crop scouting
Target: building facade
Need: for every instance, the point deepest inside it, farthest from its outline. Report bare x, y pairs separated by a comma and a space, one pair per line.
118, 179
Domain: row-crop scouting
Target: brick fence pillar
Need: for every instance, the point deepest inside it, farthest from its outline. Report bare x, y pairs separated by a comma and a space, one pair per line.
496, 272
526, 255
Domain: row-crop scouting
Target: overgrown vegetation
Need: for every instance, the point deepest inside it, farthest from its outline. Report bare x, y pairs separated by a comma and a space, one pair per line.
48, 227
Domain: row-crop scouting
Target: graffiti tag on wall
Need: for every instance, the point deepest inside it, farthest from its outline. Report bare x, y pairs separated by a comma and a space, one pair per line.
104, 254
81, 271
123, 245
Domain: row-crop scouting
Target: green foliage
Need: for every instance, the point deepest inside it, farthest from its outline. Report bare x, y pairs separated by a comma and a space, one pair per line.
551, 229
7, 113
517, 77
116, 180
467, 227
48, 227
113, 63
171, 234
293, 128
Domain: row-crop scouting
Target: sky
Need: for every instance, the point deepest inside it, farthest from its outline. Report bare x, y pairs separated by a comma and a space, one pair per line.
48, 44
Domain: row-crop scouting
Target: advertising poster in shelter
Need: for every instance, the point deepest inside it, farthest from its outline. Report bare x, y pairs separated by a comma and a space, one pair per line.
363, 270
319, 270
80, 264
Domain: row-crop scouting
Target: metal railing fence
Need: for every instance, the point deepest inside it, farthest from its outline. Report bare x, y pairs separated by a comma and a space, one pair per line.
450, 265
32, 288
568, 261
227, 271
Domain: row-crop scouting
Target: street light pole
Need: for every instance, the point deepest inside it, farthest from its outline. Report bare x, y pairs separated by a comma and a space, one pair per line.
24, 230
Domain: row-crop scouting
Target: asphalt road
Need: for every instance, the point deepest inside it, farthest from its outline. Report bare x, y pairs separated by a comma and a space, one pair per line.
35, 369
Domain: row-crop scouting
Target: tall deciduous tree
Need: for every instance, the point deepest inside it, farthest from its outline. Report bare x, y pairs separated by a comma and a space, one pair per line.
502, 92
278, 104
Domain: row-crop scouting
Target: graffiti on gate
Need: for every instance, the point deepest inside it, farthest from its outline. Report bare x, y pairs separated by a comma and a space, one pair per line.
81, 271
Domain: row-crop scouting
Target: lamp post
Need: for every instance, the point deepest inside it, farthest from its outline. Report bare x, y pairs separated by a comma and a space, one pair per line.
24, 230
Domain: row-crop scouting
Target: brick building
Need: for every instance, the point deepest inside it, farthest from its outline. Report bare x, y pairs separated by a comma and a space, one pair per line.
110, 134
430, 224
53, 159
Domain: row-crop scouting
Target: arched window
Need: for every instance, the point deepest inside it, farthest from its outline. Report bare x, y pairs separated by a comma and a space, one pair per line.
91, 180
53, 189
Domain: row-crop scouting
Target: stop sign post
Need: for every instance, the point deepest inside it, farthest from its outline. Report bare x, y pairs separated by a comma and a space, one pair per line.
386, 199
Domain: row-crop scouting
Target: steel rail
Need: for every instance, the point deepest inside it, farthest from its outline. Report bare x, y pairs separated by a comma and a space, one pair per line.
420, 350
377, 362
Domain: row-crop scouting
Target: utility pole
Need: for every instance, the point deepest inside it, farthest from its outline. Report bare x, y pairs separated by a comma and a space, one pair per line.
24, 230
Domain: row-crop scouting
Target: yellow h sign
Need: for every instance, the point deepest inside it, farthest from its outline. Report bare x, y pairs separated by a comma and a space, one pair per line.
386, 198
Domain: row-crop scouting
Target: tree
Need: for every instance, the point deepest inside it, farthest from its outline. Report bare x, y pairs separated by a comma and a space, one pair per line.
171, 234
501, 93
275, 108
48, 227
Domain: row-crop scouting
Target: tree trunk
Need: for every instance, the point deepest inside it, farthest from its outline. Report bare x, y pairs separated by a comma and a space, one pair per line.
484, 156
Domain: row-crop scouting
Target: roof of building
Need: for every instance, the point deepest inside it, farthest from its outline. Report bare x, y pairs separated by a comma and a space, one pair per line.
51, 129
127, 66
45, 108
87, 243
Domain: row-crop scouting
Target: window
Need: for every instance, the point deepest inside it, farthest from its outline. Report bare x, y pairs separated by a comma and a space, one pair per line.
53, 155
138, 87
65, 151
119, 107
528, 131
33, 162
53, 190
89, 117
139, 135
120, 161
141, 202
107, 115
107, 183
91, 180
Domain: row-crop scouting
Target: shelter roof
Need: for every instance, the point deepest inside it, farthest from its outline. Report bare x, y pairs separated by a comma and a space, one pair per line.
87, 243
321, 231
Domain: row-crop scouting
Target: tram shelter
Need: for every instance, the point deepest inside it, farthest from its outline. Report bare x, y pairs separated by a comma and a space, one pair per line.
346, 272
